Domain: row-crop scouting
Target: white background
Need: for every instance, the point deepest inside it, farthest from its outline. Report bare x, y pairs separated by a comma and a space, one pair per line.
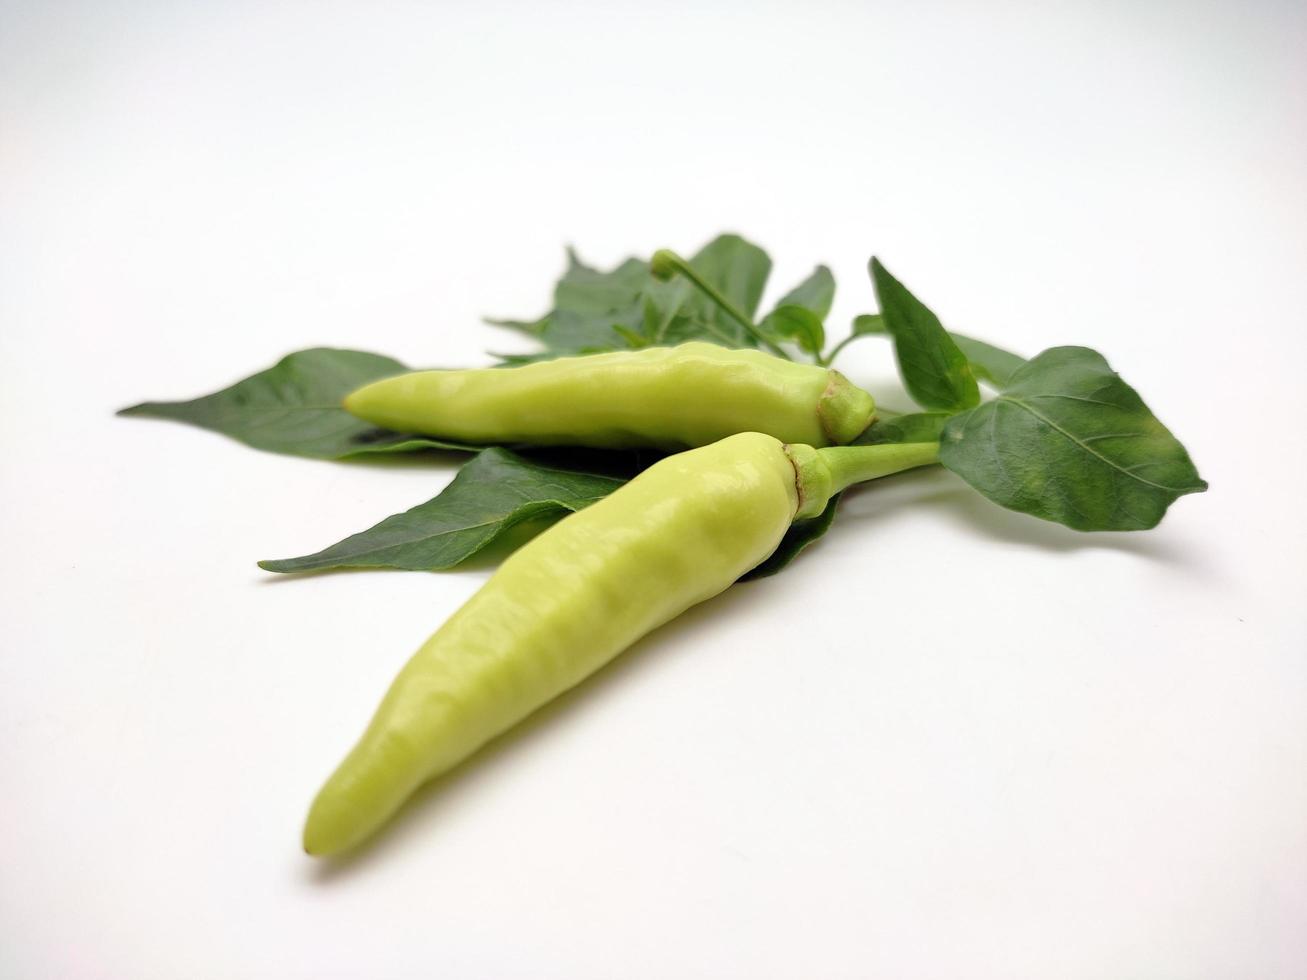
950, 742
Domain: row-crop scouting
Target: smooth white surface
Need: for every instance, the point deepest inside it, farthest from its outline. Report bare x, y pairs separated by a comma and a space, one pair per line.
951, 742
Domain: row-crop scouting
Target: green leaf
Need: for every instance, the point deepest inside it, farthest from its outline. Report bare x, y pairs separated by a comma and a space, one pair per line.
517, 360
494, 492
584, 289
1069, 441
681, 329
628, 308
799, 536
816, 293
799, 314
910, 427
989, 363
591, 308
532, 328
593, 311
934, 370
797, 324
866, 324
739, 270
294, 407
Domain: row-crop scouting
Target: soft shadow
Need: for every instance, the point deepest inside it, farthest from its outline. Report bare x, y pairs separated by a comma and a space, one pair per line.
931, 490
937, 491
621, 463
422, 813
267, 578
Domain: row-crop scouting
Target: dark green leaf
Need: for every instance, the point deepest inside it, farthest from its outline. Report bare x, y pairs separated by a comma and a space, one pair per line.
934, 370
294, 407
382, 442
491, 494
911, 427
660, 304
584, 289
796, 324
989, 363
1069, 441
799, 536
591, 307
681, 329
591, 310
739, 271
816, 293
628, 308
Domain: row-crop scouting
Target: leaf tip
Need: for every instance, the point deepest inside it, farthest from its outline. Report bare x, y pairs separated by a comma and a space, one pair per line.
147, 410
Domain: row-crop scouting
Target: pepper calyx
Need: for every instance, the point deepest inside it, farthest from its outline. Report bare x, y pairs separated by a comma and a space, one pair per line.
844, 409
812, 480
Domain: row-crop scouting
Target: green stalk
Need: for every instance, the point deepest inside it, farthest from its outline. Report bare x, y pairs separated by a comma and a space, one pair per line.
857, 464
666, 263
822, 473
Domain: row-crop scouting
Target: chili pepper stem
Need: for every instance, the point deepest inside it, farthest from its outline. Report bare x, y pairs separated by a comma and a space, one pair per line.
857, 464
819, 474
666, 263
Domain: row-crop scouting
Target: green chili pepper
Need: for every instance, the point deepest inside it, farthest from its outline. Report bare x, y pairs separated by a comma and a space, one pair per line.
667, 397
576, 596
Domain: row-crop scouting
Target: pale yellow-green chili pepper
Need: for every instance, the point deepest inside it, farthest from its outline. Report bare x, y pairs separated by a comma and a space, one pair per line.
573, 598
665, 397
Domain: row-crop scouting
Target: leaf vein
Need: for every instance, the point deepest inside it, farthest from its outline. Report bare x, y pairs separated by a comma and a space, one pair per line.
1088, 449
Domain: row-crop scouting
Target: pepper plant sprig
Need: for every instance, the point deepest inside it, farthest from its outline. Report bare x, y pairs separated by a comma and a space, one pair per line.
1059, 436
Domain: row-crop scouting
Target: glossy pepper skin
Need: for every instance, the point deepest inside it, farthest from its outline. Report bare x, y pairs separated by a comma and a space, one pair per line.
557, 610
664, 397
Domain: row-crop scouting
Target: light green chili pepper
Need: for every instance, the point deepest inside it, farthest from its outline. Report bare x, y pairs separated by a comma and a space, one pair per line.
667, 397
573, 598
